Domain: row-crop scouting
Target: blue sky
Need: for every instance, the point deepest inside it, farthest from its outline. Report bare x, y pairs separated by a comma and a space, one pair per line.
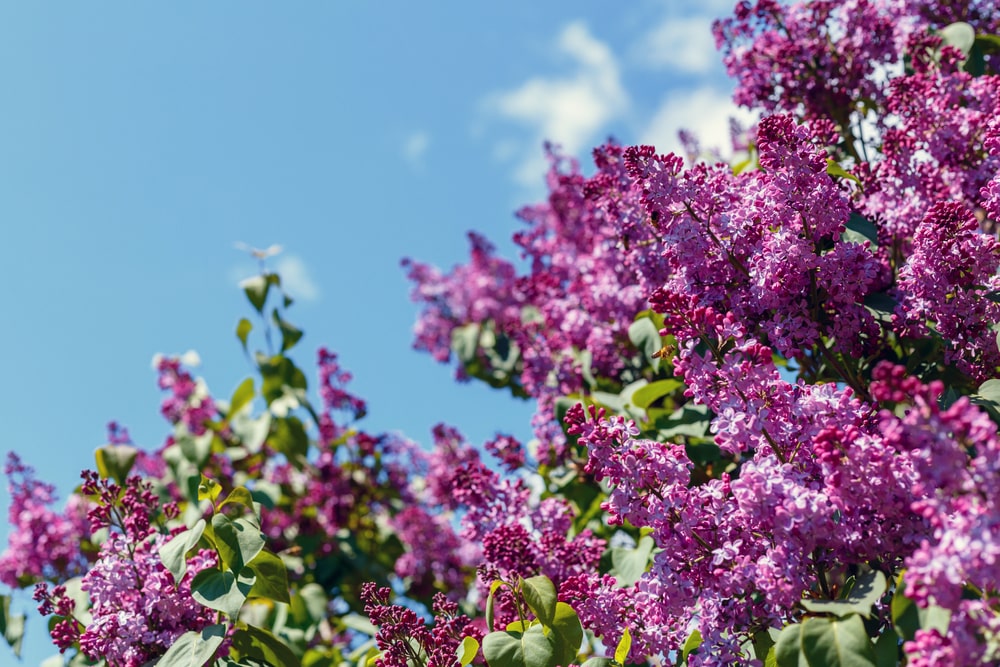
140, 141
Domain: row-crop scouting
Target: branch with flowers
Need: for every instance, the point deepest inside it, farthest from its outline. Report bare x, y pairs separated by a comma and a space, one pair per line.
766, 397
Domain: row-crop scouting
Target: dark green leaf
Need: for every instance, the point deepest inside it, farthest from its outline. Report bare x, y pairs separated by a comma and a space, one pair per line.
256, 289
489, 604
173, 553
868, 588
887, 649
272, 577
860, 229
907, 617
222, 591
290, 437
260, 645
193, 648
825, 642
290, 334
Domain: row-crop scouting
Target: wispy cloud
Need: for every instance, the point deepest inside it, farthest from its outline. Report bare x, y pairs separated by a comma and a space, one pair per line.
705, 111
679, 43
415, 147
295, 278
567, 110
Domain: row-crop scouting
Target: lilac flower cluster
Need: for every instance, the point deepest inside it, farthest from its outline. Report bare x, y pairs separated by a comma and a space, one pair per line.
44, 544
189, 402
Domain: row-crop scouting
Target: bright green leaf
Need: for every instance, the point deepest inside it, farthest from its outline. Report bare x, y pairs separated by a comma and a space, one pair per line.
11, 625
489, 604
646, 337
243, 329
833, 168
691, 644
624, 646
568, 634
960, 35
239, 496
467, 651
208, 489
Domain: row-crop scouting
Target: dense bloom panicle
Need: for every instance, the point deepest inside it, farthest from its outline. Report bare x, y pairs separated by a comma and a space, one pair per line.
43, 543
332, 382
944, 284
137, 609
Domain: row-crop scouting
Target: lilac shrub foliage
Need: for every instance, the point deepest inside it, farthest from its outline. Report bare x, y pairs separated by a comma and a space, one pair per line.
765, 428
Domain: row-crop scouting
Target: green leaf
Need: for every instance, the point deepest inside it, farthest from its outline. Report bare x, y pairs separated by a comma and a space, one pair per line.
515, 649
960, 35
868, 588
11, 625
881, 306
825, 642
540, 594
646, 337
193, 648
256, 289
568, 634
222, 591
239, 496
260, 645
290, 335
467, 651
623, 648
243, 329
907, 617
489, 604
887, 649
628, 565
241, 397
860, 229
654, 391
833, 168
173, 553
115, 461
309, 606
272, 577
690, 645
208, 489
290, 437
238, 541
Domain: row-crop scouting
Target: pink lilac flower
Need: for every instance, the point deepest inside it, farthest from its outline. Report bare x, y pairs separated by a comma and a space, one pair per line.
944, 284
43, 543
137, 610
189, 403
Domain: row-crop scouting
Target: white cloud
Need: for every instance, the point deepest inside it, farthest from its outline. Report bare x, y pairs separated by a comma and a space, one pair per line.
680, 44
704, 111
415, 147
295, 278
565, 110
